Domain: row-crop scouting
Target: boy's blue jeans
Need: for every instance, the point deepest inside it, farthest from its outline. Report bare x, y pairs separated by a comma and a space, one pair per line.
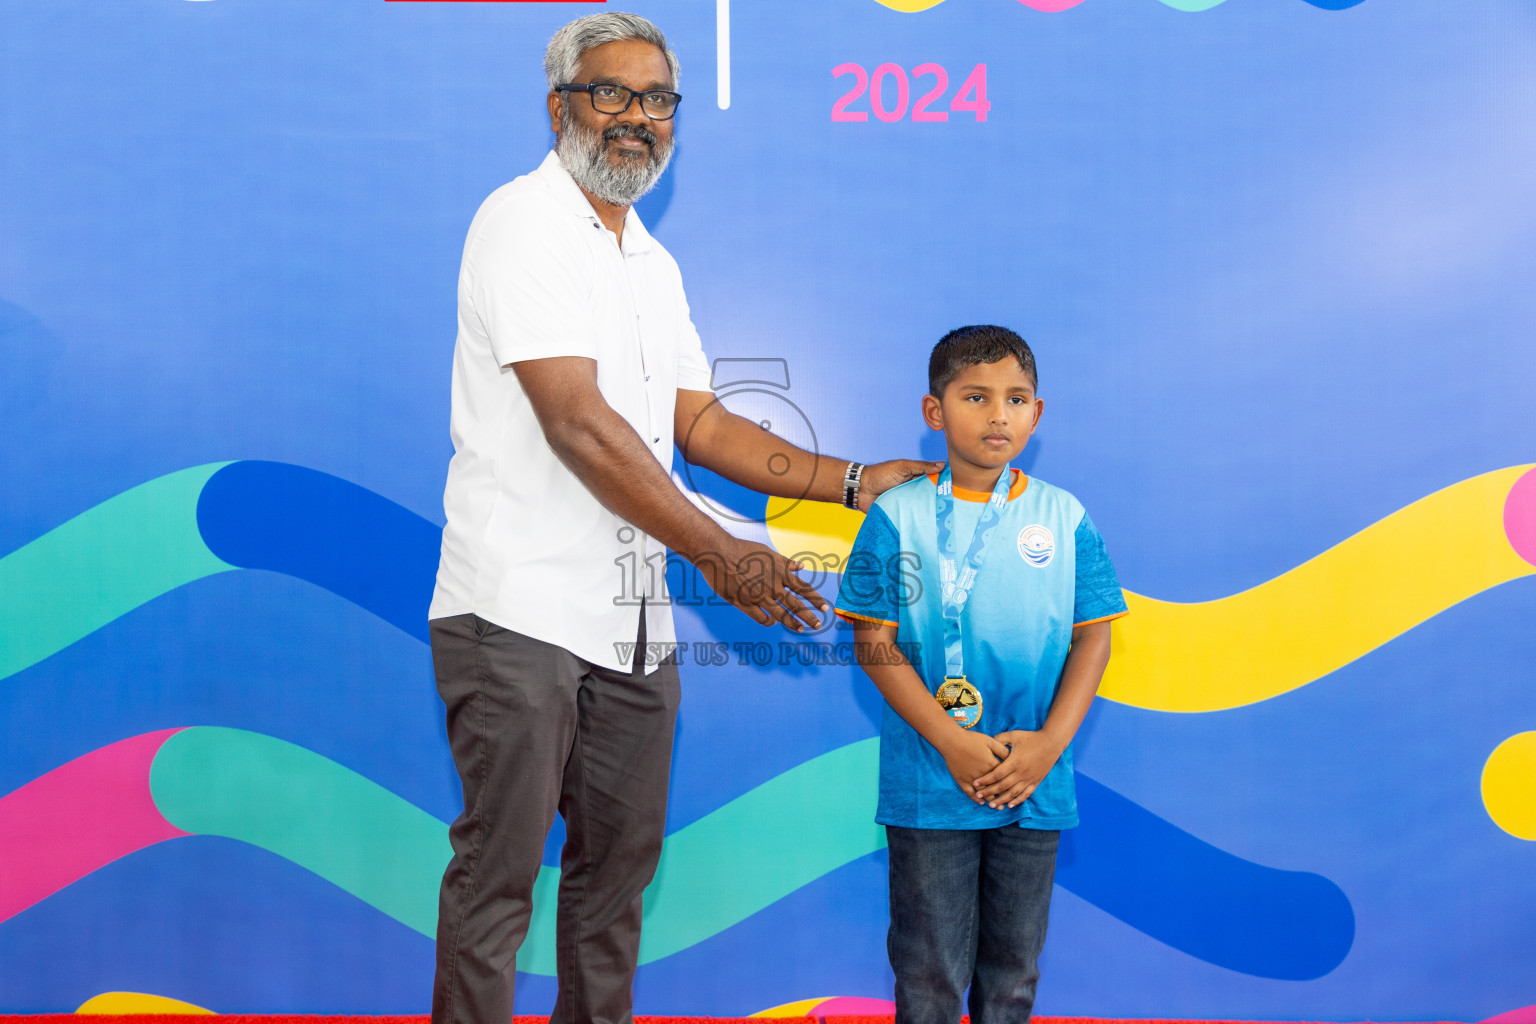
968, 908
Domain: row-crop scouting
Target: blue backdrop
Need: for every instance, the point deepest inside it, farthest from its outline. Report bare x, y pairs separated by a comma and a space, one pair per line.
1275, 262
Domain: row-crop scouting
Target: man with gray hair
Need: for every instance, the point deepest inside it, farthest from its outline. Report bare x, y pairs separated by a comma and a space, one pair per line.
575, 370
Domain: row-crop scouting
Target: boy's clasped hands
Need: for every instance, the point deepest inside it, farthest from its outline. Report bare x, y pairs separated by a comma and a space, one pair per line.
999, 771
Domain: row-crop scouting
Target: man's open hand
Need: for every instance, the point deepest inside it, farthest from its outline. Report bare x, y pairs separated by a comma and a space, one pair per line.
762, 583
1031, 756
882, 476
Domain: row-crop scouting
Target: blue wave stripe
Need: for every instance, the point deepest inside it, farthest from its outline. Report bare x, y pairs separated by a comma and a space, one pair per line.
357, 544
1197, 898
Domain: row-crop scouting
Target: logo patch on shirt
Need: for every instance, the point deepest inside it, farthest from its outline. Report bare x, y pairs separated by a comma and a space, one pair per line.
1037, 546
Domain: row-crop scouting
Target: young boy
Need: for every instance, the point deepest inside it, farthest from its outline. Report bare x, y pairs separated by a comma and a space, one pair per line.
998, 589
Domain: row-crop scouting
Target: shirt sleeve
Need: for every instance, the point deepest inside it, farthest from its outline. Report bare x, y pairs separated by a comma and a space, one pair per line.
526, 280
871, 586
693, 373
1098, 595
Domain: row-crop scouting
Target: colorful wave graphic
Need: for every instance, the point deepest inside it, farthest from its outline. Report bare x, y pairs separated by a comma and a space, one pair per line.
1301, 625
1055, 6
721, 869
382, 557
1203, 656
831, 1006
207, 520
1169, 656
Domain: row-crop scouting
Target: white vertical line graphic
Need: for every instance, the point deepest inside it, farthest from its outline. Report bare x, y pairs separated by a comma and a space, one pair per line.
723, 53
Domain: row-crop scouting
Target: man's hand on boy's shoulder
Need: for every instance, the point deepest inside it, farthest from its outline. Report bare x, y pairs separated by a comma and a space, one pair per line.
882, 476
1030, 757
970, 756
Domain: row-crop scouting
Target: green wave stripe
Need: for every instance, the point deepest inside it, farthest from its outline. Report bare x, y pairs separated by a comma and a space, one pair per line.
354, 833
101, 565
762, 846
307, 809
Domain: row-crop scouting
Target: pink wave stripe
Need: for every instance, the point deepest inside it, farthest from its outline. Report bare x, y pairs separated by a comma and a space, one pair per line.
1049, 7
1520, 519
1526, 1014
78, 818
852, 1006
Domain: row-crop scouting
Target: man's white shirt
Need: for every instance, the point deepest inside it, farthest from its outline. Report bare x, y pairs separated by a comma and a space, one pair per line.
527, 546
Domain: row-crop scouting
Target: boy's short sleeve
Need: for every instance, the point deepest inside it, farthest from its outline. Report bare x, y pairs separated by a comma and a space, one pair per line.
1097, 595
870, 586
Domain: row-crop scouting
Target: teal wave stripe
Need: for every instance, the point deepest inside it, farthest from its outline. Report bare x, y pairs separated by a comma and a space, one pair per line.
102, 564
354, 833
762, 846
308, 809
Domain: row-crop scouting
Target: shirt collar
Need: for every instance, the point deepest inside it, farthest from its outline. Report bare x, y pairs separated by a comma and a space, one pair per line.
570, 196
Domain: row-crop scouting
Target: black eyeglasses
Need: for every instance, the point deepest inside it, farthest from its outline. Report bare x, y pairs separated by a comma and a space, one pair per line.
656, 104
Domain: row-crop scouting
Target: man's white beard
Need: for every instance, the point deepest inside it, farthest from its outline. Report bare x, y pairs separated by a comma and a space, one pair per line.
583, 153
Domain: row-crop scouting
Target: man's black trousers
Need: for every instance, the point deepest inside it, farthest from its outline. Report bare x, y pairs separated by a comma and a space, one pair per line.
535, 730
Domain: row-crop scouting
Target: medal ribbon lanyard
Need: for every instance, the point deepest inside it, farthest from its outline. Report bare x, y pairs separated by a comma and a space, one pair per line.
958, 580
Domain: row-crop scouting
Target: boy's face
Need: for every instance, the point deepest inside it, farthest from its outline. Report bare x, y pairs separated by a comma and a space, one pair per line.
987, 414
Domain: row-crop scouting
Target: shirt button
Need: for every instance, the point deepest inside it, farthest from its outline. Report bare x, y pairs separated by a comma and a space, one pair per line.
647, 379
655, 440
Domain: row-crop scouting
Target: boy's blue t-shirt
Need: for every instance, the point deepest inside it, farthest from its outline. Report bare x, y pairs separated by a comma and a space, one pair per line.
1045, 571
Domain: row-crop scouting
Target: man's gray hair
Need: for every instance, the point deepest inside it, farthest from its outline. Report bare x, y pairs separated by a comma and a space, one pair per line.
567, 45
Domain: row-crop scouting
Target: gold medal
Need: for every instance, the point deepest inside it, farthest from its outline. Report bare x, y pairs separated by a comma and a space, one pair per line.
960, 700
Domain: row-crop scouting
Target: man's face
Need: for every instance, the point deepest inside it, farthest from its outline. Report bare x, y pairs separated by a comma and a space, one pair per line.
988, 413
614, 155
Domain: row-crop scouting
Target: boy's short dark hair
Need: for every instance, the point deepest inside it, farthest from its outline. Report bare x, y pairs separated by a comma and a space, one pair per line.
970, 346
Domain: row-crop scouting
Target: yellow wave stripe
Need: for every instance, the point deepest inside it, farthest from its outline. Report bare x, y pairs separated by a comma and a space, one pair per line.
117, 1003
799, 1008
1286, 632
909, 6
1321, 615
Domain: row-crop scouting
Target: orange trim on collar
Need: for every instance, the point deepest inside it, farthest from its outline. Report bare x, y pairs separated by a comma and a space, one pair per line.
1020, 481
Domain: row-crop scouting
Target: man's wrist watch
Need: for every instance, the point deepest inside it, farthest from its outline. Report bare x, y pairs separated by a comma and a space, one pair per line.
851, 480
